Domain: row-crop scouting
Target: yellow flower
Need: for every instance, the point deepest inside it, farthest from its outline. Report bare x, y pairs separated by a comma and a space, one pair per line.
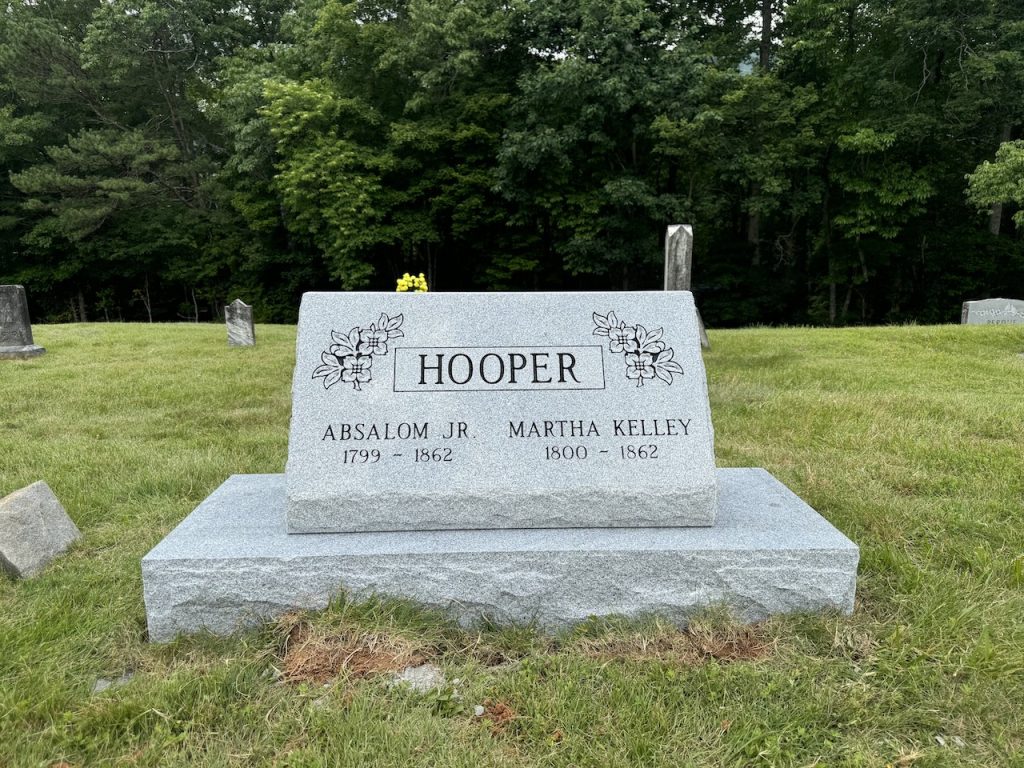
416, 283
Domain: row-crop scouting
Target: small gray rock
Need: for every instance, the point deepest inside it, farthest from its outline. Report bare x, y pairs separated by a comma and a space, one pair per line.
34, 529
422, 679
478, 711
105, 685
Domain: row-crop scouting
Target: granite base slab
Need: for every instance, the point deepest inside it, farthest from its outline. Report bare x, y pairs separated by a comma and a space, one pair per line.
22, 352
231, 563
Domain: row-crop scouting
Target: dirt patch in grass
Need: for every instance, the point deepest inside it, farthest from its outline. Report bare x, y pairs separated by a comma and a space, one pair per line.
318, 655
498, 714
491, 656
695, 645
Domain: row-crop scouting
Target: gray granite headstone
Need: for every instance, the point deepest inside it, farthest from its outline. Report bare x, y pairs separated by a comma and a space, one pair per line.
15, 327
679, 267
528, 458
238, 318
993, 312
472, 410
34, 529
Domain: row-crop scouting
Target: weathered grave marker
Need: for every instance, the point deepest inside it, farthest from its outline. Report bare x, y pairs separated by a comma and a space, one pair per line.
15, 326
679, 268
238, 318
993, 312
445, 433
34, 529
499, 411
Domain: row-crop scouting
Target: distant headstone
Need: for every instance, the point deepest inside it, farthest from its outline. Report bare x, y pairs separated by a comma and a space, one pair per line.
679, 268
34, 529
238, 317
993, 312
678, 257
457, 411
15, 328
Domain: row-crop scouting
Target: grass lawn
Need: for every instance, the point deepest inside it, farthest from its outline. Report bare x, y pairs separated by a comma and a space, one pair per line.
910, 440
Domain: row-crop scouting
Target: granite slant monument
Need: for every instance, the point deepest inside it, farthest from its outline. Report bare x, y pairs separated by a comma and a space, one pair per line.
993, 312
238, 318
34, 529
462, 411
679, 268
15, 327
526, 457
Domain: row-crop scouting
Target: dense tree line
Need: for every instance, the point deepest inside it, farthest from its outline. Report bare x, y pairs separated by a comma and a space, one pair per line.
842, 161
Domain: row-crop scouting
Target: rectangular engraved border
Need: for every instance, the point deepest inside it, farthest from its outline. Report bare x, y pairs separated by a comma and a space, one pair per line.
599, 347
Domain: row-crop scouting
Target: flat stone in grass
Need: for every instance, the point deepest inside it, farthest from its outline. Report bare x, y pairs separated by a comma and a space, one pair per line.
34, 529
231, 563
476, 411
422, 679
15, 327
993, 312
238, 318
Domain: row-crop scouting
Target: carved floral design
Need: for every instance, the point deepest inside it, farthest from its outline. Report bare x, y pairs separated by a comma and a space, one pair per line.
646, 355
350, 357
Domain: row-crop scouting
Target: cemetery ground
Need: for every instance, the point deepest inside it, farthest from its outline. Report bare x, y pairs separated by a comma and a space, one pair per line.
908, 439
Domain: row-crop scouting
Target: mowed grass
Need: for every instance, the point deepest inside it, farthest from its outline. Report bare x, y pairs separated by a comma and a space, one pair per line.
908, 439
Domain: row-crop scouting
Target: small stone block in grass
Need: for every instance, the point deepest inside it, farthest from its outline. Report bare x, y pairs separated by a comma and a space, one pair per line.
34, 529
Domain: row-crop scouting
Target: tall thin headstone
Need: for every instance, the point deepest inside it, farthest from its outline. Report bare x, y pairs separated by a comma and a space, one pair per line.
15, 327
679, 267
238, 318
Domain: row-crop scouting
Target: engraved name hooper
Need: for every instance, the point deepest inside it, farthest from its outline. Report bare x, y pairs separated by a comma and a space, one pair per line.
350, 358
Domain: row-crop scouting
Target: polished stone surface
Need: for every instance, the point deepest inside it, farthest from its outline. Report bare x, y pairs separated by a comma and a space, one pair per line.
231, 563
468, 410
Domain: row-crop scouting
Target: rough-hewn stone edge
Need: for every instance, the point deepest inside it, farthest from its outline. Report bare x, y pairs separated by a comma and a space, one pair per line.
436, 511
193, 582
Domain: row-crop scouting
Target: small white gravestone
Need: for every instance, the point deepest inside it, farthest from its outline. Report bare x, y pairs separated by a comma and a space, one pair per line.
679, 268
993, 312
15, 327
472, 410
238, 318
34, 529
